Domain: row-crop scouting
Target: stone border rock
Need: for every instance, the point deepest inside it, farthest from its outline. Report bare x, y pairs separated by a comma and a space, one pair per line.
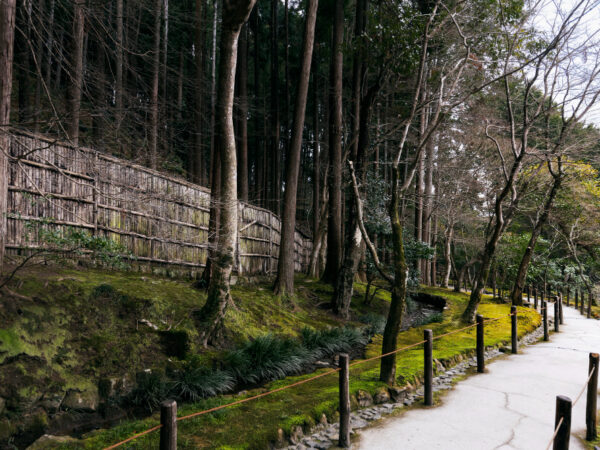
325, 435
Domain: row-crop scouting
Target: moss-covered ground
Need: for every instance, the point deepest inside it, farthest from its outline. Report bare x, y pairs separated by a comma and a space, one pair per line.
168, 303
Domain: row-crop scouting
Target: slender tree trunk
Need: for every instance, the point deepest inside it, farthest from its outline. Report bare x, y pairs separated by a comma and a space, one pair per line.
164, 106
153, 156
49, 44
316, 185
275, 119
39, 57
517, 291
284, 283
196, 167
7, 34
235, 14
242, 114
387, 372
213, 89
77, 67
448, 235
334, 228
119, 69
22, 50
428, 207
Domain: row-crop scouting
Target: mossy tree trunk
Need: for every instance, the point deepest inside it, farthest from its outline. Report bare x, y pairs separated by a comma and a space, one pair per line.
387, 372
235, 14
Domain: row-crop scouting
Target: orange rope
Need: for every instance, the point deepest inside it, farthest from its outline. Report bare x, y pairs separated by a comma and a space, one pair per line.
555, 433
584, 386
387, 354
135, 436
297, 383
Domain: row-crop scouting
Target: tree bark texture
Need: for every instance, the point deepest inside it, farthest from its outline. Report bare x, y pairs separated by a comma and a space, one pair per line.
77, 67
284, 283
235, 14
7, 33
334, 228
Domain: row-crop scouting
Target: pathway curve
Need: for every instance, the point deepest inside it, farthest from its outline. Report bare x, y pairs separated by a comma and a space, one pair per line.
511, 406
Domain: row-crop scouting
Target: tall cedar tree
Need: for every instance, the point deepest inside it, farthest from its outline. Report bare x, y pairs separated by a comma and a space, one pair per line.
284, 283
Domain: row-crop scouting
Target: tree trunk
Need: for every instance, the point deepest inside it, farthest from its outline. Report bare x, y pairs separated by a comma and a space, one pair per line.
77, 67
196, 167
153, 154
119, 69
39, 57
23, 59
235, 14
334, 227
7, 34
448, 235
49, 44
284, 283
387, 372
517, 291
213, 91
316, 185
275, 159
241, 85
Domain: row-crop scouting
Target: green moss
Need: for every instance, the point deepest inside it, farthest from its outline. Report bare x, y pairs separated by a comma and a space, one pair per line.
254, 424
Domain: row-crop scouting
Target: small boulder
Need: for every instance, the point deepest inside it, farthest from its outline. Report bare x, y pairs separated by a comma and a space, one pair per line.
397, 394
81, 401
47, 440
364, 398
439, 367
381, 396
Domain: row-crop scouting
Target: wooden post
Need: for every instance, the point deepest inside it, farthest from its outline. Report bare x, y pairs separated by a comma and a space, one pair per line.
576, 299
563, 411
168, 420
480, 345
582, 302
344, 390
545, 320
556, 316
560, 309
568, 296
428, 363
513, 329
592, 396
589, 309
528, 294
535, 303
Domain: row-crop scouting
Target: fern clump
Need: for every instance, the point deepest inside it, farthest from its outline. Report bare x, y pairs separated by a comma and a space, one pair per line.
325, 343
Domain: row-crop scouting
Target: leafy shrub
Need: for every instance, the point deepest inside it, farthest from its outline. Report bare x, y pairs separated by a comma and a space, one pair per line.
193, 381
323, 343
150, 390
266, 358
375, 323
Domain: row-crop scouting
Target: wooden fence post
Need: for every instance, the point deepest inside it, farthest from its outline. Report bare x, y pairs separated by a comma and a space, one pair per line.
168, 420
513, 329
556, 316
528, 294
576, 299
545, 320
560, 309
592, 396
568, 295
589, 308
563, 411
535, 303
480, 345
428, 363
582, 302
344, 388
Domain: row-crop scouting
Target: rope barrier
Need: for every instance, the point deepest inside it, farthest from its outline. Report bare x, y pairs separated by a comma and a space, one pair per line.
584, 386
297, 383
555, 433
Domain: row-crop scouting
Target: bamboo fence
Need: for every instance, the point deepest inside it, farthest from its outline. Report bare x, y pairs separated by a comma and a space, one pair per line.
160, 219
